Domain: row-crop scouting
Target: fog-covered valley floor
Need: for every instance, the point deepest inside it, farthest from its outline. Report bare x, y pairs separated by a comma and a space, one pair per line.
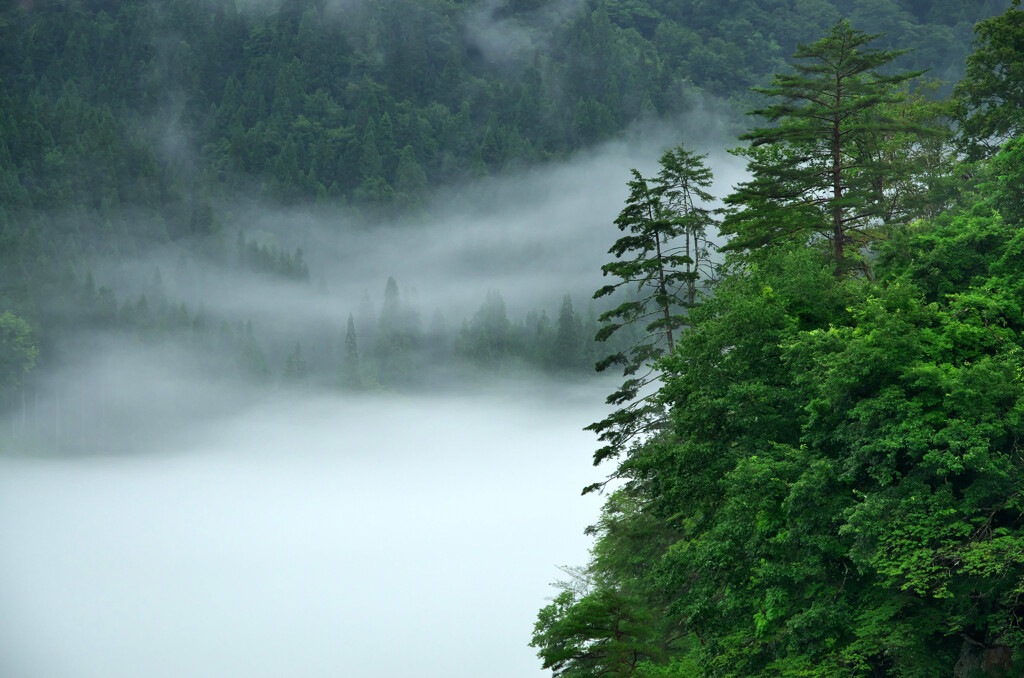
160, 518
322, 536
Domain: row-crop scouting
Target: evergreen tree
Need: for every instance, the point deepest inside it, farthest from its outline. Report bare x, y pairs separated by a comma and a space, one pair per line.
567, 349
349, 377
660, 261
810, 181
295, 368
486, 339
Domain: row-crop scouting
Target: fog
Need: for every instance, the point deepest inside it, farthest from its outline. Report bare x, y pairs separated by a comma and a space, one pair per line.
316, 536
171, 520
533, 235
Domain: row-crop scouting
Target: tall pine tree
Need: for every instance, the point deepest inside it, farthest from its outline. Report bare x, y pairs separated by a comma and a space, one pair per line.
811, 179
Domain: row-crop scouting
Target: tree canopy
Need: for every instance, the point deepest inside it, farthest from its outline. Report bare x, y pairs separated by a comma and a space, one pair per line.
838, 490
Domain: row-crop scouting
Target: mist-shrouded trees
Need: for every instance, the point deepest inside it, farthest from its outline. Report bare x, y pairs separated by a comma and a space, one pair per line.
813, 175
349, 377
295, 367
138, 141
18, 352
660, 262
487, 339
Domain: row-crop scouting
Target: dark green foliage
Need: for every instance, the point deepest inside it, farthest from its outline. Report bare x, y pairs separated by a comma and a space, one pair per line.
17, 351
838, 491
814, 178
268, 259
660, 261
992, 91
123, 125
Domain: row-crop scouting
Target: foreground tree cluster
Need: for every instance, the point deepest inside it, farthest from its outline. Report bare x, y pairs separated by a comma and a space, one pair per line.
835, 486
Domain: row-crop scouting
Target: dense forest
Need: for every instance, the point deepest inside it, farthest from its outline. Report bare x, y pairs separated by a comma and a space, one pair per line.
814, 452
125, 125
826, 477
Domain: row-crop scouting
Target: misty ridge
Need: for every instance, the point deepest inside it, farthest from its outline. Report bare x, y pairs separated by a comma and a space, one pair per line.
492, 278
244, 176
406, 271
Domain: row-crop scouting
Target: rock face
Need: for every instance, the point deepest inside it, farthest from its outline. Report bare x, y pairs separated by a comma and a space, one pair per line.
981, 660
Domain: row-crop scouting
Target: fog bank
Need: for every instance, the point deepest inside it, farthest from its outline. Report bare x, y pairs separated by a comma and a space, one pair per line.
319, 536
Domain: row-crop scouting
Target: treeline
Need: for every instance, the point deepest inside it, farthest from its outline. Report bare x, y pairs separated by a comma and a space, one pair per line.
828, 479
143, 102
381, 347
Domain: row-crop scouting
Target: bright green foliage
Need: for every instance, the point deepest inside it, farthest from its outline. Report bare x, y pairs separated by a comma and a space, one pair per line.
660, 261
1007, 182
602, 632
852, 500
609, 619
992, 90
814, 175
839, 490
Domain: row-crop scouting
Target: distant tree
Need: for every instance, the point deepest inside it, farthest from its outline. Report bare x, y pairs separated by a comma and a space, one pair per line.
485, 339
295, 368
397, 337
18, 352
349, 376
567, 348
410, 179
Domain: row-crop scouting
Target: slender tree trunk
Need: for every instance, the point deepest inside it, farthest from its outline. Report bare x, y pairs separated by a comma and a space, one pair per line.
838, 236
664, 292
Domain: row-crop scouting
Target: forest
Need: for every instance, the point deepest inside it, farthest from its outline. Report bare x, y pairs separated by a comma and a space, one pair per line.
825, 477
129, 127
811, 466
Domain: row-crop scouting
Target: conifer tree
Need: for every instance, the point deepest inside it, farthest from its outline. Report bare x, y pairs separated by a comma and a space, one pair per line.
810, 181
662, 257
295, 368
349, 376
566, 351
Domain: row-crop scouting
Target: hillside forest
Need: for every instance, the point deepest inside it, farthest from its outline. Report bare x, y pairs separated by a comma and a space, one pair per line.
823, 477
